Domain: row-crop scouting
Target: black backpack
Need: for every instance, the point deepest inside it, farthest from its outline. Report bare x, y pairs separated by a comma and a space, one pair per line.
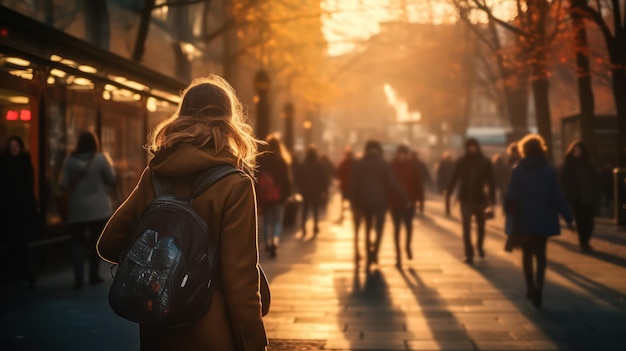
166, 277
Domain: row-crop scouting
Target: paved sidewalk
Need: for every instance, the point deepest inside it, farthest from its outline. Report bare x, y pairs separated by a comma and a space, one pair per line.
321, 301
436, 302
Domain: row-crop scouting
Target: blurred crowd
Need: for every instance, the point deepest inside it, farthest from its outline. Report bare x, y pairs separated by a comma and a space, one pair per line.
294, 190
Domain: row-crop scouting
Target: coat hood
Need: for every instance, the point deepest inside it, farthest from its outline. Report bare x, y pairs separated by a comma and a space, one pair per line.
186, 159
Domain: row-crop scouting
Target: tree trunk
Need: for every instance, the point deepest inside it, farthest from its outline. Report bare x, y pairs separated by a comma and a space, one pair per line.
619, 94
182, 64
517, 105
97, 23
541, 98
48, 12
142, 31
583, 73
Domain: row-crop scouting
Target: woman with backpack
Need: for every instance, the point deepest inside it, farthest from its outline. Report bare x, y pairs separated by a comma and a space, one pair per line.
87, 176
209, 129
273, 190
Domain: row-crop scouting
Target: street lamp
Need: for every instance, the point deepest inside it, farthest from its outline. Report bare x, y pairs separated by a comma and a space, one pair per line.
262, 87
308, 133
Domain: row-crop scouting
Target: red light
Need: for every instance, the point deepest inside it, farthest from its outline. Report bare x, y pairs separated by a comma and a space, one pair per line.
4, 32
12, 115
25, 115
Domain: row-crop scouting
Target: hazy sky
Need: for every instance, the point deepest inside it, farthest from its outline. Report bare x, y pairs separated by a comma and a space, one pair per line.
348, 21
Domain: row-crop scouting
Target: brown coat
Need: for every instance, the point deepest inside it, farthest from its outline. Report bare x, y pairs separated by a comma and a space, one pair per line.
229, 207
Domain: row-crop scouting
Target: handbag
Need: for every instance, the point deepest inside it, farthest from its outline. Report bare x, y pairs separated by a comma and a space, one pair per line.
63, 199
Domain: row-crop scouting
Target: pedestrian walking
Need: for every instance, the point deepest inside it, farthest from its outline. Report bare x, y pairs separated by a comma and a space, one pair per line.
513, 154
533, 204
445, 169
19, 214
273, 189
313, 182
425, 179
474, 173
501, 173
207, 130
409, 177
580, 183
371, 184
343, 173
87, 176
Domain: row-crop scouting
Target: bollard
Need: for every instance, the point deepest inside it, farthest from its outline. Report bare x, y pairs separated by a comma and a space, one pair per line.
620, 195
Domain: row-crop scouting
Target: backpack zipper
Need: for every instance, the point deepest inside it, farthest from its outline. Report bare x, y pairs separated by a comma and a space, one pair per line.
186, 277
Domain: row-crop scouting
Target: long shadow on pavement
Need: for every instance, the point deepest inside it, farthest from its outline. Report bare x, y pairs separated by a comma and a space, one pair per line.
444, 331
370, 320
567, 325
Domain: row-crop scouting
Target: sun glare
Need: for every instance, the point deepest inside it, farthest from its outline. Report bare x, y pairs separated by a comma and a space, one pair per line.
346, 23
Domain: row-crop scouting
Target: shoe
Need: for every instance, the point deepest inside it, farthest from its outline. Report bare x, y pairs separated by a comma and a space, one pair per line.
469, 260
95, 280
315, 232
409, 253
273, 251
481, 252
586, 248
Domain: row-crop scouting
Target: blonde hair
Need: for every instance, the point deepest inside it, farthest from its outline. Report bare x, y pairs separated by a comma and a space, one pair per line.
532, 145
277, 147
209, 111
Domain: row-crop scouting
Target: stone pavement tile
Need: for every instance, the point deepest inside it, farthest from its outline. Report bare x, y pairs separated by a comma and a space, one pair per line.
431, 345
538, 335
489, 335
381, 344
374, 326
521, 346
296, 345
435, 327
307, 327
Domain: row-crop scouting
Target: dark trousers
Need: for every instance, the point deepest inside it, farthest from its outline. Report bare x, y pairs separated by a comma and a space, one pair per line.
77, 232
402, 216
313, 205
469, 210
584, 223
537, 249
373, 218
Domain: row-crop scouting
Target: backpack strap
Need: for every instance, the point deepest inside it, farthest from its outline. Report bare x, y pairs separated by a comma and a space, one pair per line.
161, 186
210, 177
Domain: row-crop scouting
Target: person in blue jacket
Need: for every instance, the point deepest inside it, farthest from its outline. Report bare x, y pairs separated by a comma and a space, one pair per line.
533, 204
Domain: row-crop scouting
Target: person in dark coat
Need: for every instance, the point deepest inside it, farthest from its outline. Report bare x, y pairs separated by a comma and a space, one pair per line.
474, 173
409, 177
533, 204
313, 181
19, 209
273, 189
501, 172
580, 183
445, 168
343, 172
425, 179
371, 184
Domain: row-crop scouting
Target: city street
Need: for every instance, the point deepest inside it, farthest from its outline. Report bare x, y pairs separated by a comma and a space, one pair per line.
321, 301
